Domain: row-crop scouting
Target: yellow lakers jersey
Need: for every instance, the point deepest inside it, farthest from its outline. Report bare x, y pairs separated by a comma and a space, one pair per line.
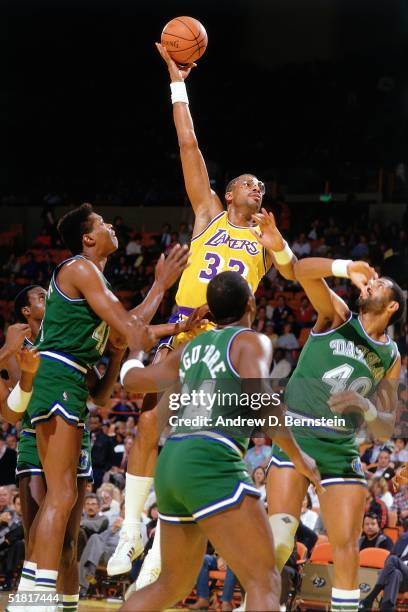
219, 247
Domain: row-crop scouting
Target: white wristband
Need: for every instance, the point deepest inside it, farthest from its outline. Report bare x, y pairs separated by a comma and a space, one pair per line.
129, 365
339, 267
178, 92
18, 399
371, 413
284, 256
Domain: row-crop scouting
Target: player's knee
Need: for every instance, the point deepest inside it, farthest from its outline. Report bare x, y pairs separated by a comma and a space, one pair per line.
284, 527
147, 426
266, 581
345, 549
64, 499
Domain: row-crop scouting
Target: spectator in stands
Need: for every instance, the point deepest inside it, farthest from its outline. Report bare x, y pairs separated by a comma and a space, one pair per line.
11, 542
114, 493
101, 452
269, 308
301, 247
121, 230
165, 237
11, 441
108, 508
360, 251
93, 521
184, 234
373, 536
260, 321
385, 468
99, 547
122, 406
308, 516
270, 332
379, 488
211, 563
12, 265
371, 453
281, 367
307, 315
374, 505
400, 453
30, 268
5, 499
393, 578
259, 478
259, 454
8, 462
400, 505
280, 314
134, 246
287, 340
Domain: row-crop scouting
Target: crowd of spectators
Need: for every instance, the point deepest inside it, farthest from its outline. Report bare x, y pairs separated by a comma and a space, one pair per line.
284, 314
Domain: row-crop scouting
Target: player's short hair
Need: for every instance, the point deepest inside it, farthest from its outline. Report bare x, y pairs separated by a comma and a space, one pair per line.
227, 297
399, 297
21, 301
73, 225
232, 181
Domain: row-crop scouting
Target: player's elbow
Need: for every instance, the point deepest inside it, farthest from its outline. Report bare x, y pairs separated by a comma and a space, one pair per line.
187, 140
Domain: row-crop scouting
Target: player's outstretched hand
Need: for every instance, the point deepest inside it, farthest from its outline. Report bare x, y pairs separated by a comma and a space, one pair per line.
177, 72
306, 465
140, 337
169, 268
360, 273
28, 360
269, 235
15, 336
195, 321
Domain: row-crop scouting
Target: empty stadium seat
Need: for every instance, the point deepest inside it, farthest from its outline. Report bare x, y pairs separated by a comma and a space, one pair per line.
373, 557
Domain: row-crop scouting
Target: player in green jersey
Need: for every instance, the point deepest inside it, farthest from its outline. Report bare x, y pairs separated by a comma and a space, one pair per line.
202, 485
79, 310
29, 307
347, 375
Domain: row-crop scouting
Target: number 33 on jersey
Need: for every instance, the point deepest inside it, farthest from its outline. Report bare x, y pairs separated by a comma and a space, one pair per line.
221, 246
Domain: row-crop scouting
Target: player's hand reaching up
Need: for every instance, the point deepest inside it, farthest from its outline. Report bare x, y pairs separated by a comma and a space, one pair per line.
140, 337
15, 336
28, 360
169, 268
360, 273
269, 235
177, 72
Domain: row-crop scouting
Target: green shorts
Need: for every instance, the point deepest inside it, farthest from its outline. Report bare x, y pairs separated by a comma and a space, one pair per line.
28, 460
198, 476
59, 389
338, 460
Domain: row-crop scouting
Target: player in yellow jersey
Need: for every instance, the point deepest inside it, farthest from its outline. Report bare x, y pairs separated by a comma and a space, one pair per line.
222, 240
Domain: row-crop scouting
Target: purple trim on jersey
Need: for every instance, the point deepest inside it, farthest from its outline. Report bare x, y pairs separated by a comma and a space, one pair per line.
210, 223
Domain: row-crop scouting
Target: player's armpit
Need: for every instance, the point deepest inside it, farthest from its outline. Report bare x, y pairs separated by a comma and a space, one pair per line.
155, 377
251, 355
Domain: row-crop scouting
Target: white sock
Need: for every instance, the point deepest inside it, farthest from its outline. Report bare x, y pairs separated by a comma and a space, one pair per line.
27, 578
70, 603
343, 599
46, 580
136, 492
154, 555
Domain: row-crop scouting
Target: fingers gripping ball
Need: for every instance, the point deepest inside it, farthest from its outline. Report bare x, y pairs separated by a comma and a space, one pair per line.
185, 39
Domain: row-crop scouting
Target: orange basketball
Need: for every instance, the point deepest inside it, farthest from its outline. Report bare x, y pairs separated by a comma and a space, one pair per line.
185, 39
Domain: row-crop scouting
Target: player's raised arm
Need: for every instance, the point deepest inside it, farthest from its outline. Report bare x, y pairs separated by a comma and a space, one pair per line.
205, 203
331, 309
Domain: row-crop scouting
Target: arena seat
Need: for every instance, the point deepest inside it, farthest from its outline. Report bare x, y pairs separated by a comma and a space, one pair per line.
392, 532
322, 554
373, 557
321, 538
301, 553
392, 518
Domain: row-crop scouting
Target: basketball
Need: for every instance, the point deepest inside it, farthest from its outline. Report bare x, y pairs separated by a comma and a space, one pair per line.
185, 39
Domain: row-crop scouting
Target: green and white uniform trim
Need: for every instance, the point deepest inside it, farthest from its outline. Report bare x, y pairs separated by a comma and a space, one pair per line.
345, 358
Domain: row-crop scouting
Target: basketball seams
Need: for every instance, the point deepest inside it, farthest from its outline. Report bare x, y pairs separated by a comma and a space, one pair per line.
177, 36
195, 37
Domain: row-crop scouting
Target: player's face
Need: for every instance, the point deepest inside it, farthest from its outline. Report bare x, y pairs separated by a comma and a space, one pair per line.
248, 191
376, 296
103, 235
36, 300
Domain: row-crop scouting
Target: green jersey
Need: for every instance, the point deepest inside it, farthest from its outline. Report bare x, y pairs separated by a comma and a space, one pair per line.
345, 358
210, 398
70, 327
